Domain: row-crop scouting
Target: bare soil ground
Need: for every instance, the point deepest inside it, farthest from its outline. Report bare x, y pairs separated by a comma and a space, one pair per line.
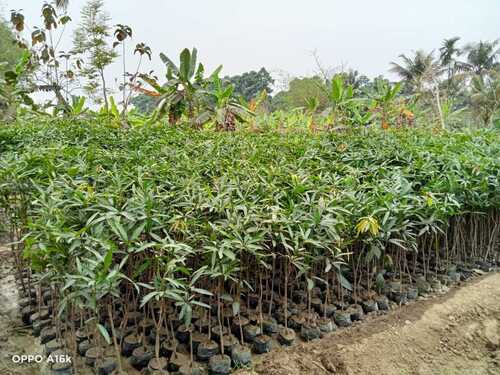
453, 334
450, 334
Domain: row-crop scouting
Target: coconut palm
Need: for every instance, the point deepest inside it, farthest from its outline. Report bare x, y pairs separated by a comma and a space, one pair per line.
414, 71
448, 53
422, 73
485, 96
482, 57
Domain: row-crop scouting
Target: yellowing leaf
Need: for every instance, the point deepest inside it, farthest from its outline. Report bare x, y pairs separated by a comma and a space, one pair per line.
368, 224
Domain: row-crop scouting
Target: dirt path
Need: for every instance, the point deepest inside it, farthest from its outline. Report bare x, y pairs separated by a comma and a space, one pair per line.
456, 333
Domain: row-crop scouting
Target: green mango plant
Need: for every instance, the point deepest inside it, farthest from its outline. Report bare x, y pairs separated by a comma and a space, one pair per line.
239, 220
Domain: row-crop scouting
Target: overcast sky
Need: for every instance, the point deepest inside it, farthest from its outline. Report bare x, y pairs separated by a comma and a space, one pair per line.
281, 34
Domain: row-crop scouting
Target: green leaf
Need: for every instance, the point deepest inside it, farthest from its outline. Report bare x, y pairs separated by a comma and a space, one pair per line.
202, 291
148, 297
337, 89
344, 282
64, 20
152, 82
141, 268
192, 66
104, 333
185, 65
217, 71
188, 313
169, 63
114, 108
201, 304
118, 228
108, 259
137, 231
328, 265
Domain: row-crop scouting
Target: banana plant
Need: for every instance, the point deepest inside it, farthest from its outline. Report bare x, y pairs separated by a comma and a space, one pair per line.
222, 107
180, 94
341, 98
76, 108
383, 103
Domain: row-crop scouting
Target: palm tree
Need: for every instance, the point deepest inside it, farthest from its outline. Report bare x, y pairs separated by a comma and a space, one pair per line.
414, 71
482, 57
422, 73
448, 52
485, 96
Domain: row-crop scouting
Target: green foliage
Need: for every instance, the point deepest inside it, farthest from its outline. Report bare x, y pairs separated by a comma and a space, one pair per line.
416, 70
177, 218
383, 101
222, 106
300, 89
14, 90
305, 192
45, 56
481, 57
144, 103
359, 82
172, 219
485, 97
250, 84
186, 91
10, 53
179, 94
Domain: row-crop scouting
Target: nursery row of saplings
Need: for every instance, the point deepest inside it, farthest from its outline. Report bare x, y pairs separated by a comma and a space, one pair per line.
166, 245
221, 316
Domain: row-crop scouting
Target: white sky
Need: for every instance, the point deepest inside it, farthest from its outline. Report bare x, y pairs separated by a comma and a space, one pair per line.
281, 34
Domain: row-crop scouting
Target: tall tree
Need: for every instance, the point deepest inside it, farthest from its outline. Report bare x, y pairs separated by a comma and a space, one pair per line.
422, 74
91, 42
447, 55
482, 57
414, 70
485, 96
10, 53
355, 79
51, 67
250, 84
300, 91
449, 51
144, 103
